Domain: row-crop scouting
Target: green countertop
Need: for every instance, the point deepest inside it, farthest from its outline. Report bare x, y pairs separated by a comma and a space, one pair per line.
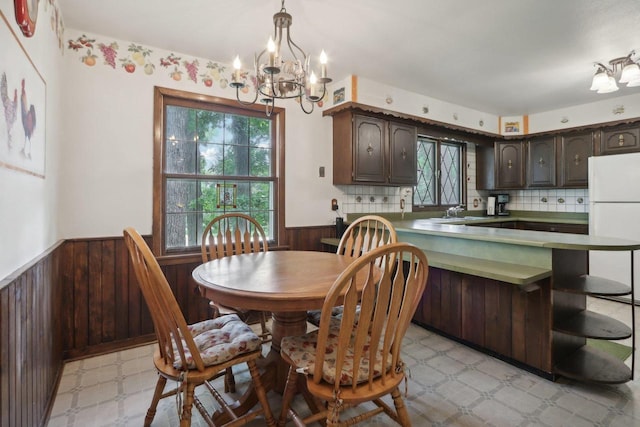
520, 257
459, 230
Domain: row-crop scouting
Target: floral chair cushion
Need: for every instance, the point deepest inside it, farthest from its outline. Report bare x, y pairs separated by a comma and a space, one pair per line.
313, 316
219, 340
302, 351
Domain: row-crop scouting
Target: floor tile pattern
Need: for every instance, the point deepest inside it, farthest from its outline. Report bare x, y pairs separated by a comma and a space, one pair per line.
450, 385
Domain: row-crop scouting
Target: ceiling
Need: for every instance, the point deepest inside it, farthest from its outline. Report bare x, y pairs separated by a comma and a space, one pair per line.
502, 57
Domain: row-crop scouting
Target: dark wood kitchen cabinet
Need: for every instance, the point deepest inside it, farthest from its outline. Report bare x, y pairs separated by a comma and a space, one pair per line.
371, 150
510, 164
575, 150
541, 162
620, 140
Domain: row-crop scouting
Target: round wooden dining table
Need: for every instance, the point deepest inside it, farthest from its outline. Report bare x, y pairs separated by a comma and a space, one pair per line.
286, 283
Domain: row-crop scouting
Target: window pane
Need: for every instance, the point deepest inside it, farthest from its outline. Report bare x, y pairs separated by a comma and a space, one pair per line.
425, 190
210, 126
180, 147
260, 161
236, 160
211, 159
260, 132
181, 230
450, 164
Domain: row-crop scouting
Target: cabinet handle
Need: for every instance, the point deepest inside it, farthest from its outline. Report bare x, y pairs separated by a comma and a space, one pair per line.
370, 150
621, 140
576, 159
404, 154
541, 161
509, 164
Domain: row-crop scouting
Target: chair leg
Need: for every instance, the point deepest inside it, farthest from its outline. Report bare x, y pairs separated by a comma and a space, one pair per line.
401, 409
229, 381
333, 414
187, 404
288, 394
262, 395
151, 412
263, 324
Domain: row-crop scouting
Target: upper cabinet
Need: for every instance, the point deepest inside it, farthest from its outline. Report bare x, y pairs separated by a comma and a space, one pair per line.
620, 140
541, 162
510, 166
559, 161
370, 150
575, 150
402, 154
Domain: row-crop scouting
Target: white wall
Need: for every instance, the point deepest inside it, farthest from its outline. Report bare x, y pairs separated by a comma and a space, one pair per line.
29, 204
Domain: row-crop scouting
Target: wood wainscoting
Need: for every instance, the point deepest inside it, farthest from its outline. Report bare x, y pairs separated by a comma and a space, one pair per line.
31, 349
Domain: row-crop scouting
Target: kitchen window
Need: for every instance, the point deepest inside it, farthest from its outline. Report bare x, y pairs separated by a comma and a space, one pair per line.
211, 157
440, 173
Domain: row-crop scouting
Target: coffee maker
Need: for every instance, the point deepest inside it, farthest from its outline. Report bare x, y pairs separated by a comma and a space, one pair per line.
501, 204
497, 204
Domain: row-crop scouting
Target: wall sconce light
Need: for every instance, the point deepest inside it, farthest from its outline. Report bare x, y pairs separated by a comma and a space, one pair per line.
604, 81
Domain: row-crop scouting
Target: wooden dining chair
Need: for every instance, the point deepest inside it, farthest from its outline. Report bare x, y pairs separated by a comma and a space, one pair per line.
192, 355
364, 234
358, 359
231, 234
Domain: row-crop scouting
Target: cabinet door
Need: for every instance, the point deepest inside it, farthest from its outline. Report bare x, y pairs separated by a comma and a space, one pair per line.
620, 140
509, 165
575, 149
369, 149
402, 152
541, 162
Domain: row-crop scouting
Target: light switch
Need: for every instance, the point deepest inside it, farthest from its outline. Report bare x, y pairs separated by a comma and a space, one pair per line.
321, 172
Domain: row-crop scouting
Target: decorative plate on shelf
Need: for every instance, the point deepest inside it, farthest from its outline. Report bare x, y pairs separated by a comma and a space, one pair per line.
26, 15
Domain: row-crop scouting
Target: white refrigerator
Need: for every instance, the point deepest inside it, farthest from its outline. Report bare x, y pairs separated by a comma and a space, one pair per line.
614, 211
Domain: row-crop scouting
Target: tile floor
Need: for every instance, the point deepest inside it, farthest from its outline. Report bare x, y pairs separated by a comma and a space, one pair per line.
450, 385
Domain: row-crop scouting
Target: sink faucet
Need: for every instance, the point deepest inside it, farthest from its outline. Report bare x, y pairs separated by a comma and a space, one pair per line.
453, 211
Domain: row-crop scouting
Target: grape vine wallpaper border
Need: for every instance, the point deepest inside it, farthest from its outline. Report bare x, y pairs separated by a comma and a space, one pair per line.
132, 58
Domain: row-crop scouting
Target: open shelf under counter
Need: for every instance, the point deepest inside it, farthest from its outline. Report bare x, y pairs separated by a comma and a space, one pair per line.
589, 324
592, 365
592, 285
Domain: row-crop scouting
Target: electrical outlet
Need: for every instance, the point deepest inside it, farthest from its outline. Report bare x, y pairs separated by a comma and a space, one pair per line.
334, 204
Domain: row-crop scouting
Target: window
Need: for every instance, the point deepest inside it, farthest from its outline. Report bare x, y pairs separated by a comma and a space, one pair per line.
440, 173
213, 156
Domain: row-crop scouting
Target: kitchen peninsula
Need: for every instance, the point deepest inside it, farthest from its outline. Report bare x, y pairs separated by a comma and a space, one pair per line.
519, 294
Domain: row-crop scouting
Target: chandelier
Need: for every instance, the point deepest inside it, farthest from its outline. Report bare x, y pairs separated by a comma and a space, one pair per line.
280, 74
604, 81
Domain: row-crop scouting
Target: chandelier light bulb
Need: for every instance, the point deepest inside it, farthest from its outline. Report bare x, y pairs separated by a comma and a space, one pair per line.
323, 65
630, 72
600, 79
237, 65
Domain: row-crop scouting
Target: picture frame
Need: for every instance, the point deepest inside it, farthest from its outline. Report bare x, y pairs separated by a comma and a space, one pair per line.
227, 195
512, 127
23, 121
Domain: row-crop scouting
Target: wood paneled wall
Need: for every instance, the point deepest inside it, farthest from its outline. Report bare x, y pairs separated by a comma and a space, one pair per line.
79, 299
499, 317
31, 354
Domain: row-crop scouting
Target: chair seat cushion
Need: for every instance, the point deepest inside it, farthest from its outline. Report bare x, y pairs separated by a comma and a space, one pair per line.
219, 340
302, 352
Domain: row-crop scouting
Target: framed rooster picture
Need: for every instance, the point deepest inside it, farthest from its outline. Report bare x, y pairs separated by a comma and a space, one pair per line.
23, 94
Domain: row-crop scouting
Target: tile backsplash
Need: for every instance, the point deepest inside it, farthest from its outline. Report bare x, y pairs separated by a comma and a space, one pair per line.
375, 199
549, 200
